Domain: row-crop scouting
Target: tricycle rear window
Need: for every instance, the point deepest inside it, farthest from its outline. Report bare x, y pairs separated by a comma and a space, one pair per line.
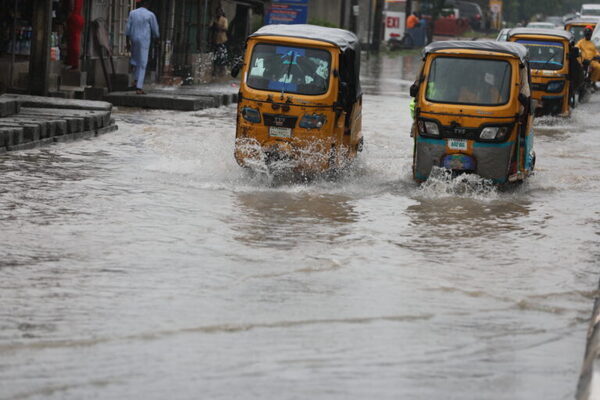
300, 70
470, 81
545, 54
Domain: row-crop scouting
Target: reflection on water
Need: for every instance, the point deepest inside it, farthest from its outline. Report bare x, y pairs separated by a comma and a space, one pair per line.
283, 220
382, 74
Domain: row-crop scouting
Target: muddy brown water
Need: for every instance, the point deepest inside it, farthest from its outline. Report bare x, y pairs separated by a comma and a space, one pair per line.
147, 264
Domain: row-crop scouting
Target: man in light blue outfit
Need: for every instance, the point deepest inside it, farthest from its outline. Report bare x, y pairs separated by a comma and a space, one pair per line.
142, 27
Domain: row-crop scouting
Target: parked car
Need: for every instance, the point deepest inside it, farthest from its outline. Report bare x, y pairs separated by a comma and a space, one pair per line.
471, 11
503, 35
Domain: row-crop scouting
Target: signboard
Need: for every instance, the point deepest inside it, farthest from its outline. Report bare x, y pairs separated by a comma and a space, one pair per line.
287, 13
496, 9
394, 24
496, 6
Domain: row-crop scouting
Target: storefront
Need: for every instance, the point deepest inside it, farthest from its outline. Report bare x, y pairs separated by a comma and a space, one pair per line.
17, 21
35, 41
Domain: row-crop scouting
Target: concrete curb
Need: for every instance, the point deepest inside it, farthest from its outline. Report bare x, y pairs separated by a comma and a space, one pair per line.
71, 137
57, 103
184, 100
40, 121
588, 387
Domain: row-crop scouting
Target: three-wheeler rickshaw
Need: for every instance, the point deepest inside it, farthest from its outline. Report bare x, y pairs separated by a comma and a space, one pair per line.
300, 100
577, 26
473, 111
554, 68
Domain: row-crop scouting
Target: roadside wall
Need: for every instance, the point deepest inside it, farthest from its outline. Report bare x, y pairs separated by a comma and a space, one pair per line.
589, 380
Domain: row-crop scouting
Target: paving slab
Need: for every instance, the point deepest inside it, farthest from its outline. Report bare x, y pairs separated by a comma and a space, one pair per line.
161, 101
31, 132
8, 107
93, 119
53, 102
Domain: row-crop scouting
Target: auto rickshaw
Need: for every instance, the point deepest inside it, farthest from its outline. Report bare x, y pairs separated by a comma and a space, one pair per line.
473, 111
577, 26
554, 68
300, 101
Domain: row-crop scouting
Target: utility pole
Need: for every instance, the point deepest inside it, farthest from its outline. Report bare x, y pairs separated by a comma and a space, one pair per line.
354, 16
39, 61
377, 24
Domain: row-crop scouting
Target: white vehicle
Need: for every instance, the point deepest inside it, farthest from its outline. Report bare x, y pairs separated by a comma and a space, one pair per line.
596, 37
590, 10
541, 25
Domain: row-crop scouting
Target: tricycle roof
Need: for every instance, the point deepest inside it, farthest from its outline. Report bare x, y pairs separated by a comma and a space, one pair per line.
542, 32
510, 48
341, 38
583, 21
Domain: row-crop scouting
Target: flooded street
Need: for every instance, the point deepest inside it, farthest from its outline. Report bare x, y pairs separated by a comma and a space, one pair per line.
147, 264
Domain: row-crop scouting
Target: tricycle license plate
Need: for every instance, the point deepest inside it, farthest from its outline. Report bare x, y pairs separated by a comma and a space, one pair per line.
457, 144
280, 132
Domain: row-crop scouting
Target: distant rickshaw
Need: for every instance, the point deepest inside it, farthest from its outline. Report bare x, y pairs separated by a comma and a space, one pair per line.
473, 111
577, 26
300, 100
555, 71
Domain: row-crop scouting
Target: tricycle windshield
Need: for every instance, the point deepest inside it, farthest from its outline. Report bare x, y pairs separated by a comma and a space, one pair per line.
471, 81
545, 54
300, 70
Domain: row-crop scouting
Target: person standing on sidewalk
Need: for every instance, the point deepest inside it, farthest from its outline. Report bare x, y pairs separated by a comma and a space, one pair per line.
142, 27
75, 23
219, 38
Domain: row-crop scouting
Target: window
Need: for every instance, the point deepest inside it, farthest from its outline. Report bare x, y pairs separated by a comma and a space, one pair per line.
470, 81
545, 55
300, 70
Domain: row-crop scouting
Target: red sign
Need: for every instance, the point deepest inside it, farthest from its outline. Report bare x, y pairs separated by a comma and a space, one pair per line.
392, 22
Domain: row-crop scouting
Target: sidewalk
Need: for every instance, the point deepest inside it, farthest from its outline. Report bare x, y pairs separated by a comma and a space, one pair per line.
181, 98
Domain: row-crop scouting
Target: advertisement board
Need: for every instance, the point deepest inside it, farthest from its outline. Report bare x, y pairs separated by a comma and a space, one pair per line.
284, 13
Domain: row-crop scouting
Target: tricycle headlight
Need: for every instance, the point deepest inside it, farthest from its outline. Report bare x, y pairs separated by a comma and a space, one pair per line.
431, 128
313, 121
555, 86
251, 114
494, 133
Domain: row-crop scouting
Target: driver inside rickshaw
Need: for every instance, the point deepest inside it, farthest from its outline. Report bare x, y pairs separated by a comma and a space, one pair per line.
590, 54
297, 70
469, 81
482, 92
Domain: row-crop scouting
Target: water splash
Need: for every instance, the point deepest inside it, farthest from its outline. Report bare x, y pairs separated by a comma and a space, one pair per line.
442, 183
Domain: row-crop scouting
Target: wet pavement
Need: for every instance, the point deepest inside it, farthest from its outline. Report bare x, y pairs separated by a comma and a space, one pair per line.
147, 264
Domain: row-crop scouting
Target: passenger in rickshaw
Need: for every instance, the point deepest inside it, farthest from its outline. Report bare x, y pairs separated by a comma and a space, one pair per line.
589, 53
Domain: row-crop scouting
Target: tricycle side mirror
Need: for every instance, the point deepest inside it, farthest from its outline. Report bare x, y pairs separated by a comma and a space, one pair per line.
414, 89
525, 101
237, 67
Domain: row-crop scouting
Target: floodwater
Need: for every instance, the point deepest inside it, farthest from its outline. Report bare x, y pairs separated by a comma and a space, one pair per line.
146, 264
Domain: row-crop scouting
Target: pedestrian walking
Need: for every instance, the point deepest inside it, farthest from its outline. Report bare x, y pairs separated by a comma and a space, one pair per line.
219, 39
142, 28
